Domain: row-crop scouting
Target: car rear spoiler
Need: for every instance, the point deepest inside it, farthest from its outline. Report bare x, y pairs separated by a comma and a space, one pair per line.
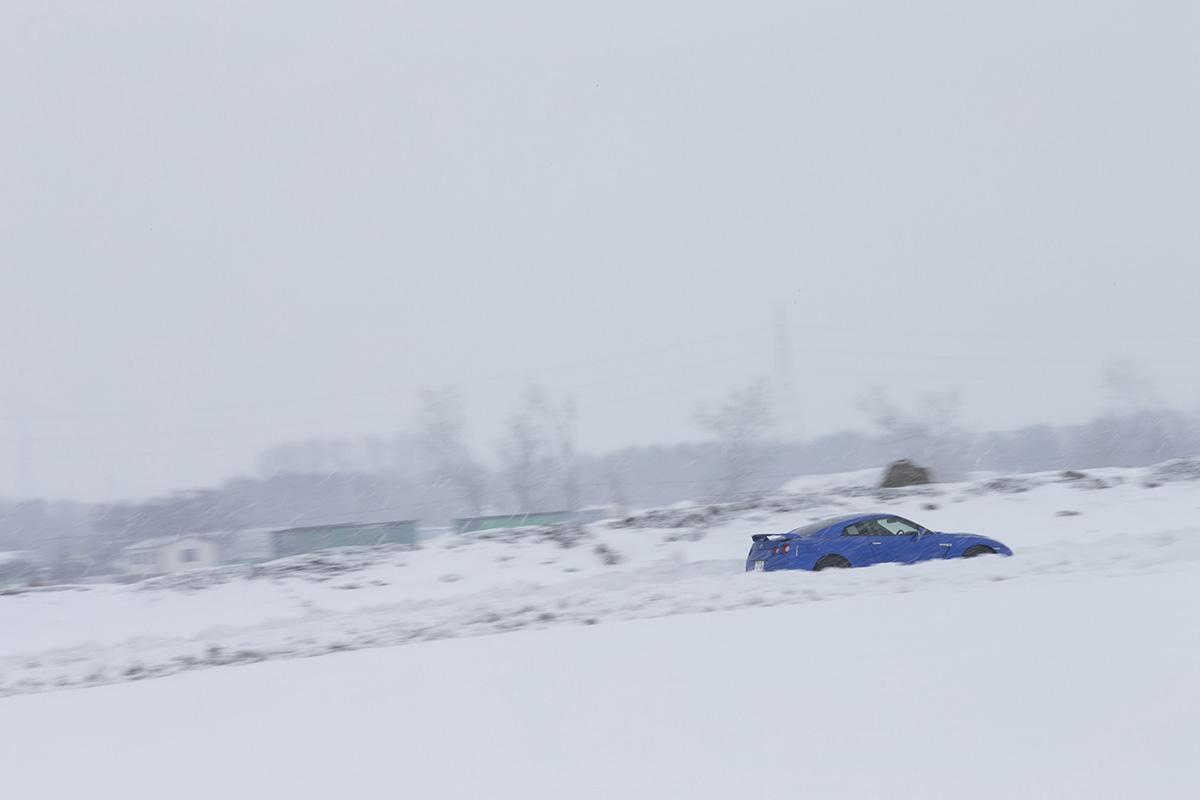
774, 537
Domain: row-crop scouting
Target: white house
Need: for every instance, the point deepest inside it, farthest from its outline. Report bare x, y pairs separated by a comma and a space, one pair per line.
243, 546
168, 554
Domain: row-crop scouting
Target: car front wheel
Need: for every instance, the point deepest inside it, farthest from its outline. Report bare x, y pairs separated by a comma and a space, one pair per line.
979, 550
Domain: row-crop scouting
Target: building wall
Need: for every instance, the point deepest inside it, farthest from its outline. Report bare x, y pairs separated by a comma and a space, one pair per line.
295, 541
16, 569
141, 563
177, 556
471, 524
246, 546
187, 554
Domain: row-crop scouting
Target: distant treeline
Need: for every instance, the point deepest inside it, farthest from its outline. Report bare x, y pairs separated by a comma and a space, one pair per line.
389, 481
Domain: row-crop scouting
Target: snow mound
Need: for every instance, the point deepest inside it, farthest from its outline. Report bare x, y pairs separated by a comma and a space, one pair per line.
319, 566
1183, 469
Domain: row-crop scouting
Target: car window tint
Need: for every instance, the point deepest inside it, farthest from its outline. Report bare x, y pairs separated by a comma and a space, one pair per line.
873, 528
896, 526
852, 530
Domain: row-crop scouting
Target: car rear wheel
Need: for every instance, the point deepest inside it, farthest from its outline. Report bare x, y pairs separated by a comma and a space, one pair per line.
979, 550
831, 562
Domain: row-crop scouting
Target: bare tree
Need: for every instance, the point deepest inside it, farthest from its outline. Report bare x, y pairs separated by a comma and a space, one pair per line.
525, 462
1128, 388
1138, 425
538, 455
441, 437
927, 432
740, 426
616, 490
562, 421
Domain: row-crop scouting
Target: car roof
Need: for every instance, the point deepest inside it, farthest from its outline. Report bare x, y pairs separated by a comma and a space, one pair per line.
846, 519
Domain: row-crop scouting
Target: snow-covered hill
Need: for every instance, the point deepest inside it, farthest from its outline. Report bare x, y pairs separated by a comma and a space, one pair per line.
1063, 526
1067, 671
1083, 687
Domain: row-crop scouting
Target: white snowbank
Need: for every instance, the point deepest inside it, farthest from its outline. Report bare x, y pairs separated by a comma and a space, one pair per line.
1081, 688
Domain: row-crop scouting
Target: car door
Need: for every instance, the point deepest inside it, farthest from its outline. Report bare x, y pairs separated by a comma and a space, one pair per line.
866, 543
912, 542
923, 546
938, 544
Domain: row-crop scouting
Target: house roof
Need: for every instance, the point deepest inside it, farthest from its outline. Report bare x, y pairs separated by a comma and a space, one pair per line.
360, 525
162, 541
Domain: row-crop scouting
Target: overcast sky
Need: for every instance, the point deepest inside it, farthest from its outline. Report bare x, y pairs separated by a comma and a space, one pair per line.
229, 224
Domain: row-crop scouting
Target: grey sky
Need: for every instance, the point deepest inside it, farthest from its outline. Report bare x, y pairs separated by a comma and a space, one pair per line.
223, 225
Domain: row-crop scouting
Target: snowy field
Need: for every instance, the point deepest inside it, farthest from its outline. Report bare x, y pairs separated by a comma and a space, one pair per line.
661, 563
1038, 689
1065, 671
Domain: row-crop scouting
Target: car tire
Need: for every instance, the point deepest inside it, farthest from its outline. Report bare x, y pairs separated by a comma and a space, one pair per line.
978, 550
831, 562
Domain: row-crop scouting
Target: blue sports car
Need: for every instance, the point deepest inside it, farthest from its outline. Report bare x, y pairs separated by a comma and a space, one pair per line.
861, 540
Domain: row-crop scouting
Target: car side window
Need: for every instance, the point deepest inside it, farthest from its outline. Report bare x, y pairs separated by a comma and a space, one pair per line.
898, 527
873, 528
868, 527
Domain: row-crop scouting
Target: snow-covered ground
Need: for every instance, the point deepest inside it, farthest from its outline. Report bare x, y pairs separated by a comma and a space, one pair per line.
1013, 689
1065, 671
686, 560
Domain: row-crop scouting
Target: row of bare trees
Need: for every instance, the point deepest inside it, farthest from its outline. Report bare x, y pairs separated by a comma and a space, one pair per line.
538, 461
536, 464
437, 470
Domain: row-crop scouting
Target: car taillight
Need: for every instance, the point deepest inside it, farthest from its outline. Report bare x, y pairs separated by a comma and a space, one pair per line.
786, 547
